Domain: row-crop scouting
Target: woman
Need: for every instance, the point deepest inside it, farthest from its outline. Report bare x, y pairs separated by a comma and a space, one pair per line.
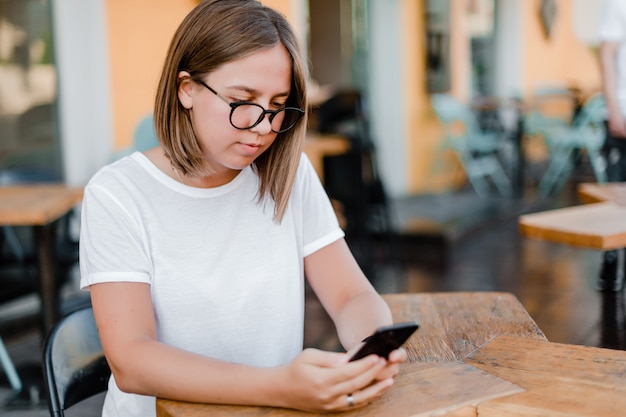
195, 252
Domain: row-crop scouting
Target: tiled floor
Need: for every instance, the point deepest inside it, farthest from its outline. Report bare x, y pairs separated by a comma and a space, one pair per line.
554, 282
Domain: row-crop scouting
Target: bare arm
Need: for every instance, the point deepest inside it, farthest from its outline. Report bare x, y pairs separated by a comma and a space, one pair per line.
315, 380
351, 301
346, 294
608, 58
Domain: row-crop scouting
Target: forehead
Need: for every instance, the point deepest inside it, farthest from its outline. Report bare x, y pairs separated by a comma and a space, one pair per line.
266, 71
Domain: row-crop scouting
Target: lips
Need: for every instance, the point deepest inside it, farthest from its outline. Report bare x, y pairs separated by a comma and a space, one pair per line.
249, 148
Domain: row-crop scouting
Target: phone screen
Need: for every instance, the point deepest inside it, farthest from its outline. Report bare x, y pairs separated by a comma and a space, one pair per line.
385, 340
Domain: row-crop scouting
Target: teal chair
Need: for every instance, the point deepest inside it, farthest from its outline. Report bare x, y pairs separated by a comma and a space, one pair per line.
586, 133
144, 137
476, 150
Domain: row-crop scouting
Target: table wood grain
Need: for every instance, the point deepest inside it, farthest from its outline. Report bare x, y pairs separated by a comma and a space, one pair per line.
594, 226
614, 192
453, 324
559, 380
36, 205
600, 223
421, 389
434, 381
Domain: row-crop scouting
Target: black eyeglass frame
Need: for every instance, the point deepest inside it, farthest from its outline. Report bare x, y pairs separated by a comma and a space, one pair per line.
273, 113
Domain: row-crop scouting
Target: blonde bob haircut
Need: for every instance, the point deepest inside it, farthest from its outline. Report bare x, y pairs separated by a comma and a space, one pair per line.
213, 33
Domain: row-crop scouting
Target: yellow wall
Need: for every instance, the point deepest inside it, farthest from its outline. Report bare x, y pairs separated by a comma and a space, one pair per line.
430, 168
560, 59
138, 45
139, 35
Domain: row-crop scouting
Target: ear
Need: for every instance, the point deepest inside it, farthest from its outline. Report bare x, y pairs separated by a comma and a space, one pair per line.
185, 89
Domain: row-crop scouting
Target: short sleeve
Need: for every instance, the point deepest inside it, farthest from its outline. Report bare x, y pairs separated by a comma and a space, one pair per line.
111, 247
320, 224
613, 24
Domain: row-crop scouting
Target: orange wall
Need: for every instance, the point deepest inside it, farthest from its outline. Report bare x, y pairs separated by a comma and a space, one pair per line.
139, 35
561, 59
429, 167
138, 44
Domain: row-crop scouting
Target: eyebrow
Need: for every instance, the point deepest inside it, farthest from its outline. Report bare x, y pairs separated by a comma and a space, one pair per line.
254, 92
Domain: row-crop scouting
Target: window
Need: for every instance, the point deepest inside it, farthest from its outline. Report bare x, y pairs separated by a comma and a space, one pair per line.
28, 87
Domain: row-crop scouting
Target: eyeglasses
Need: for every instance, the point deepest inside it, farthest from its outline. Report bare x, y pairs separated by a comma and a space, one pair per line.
245, 115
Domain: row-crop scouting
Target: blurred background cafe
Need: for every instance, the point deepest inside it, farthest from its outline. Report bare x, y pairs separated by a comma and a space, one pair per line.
397, 86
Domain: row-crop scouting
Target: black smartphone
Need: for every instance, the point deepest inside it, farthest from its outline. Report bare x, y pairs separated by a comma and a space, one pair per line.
386, 339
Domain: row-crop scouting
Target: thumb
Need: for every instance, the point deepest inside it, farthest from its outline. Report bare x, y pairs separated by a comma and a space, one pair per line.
323, 359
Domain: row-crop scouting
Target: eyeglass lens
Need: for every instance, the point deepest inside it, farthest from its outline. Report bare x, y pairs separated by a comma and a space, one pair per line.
245, 116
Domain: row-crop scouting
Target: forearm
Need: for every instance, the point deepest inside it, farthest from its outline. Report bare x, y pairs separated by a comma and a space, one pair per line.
153, 368
360, 316
608, 56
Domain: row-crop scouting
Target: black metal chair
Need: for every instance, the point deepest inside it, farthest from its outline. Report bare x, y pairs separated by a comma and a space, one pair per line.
352, 178
75, 368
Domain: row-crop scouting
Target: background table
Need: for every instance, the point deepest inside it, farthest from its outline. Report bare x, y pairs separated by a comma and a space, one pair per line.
600, 225
452, 325
40, 206
317, 146
592, 192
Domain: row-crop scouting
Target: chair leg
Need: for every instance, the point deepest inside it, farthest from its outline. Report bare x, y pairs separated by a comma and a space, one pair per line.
14, 243
9, 368
475, 172
598, 163
499, 178
558, 170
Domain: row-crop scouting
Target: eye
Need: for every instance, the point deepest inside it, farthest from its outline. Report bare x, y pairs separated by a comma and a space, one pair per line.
240, 101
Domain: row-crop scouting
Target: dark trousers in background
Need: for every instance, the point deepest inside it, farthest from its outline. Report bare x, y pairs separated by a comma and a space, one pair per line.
612, 271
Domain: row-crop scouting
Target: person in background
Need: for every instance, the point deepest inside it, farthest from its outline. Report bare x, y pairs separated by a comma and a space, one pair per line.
612, 34
196, 252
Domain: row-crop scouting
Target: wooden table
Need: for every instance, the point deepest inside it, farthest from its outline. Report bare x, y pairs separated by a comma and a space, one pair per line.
599, 225
592, 192
317, 146
452, 326
559, 380
39, 206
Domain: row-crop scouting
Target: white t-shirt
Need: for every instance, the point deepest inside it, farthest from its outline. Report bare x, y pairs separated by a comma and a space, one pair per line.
227, 281
613, 29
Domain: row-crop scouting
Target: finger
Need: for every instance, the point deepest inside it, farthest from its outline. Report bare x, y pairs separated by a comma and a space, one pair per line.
398, 356
322, 358
389, 371
364, 397
359, 374
354, 349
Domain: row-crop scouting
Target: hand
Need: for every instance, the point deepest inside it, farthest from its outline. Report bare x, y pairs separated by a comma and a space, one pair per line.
617, 125
324, 381
391, 369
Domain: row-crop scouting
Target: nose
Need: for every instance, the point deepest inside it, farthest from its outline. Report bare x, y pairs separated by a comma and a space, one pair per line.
264, 127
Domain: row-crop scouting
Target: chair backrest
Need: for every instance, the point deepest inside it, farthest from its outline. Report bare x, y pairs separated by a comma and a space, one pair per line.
74, 364
460, 124
449, 111
592, 112
144, 136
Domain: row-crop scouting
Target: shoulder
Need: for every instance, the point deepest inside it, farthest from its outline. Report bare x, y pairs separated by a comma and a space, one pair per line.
125, 175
